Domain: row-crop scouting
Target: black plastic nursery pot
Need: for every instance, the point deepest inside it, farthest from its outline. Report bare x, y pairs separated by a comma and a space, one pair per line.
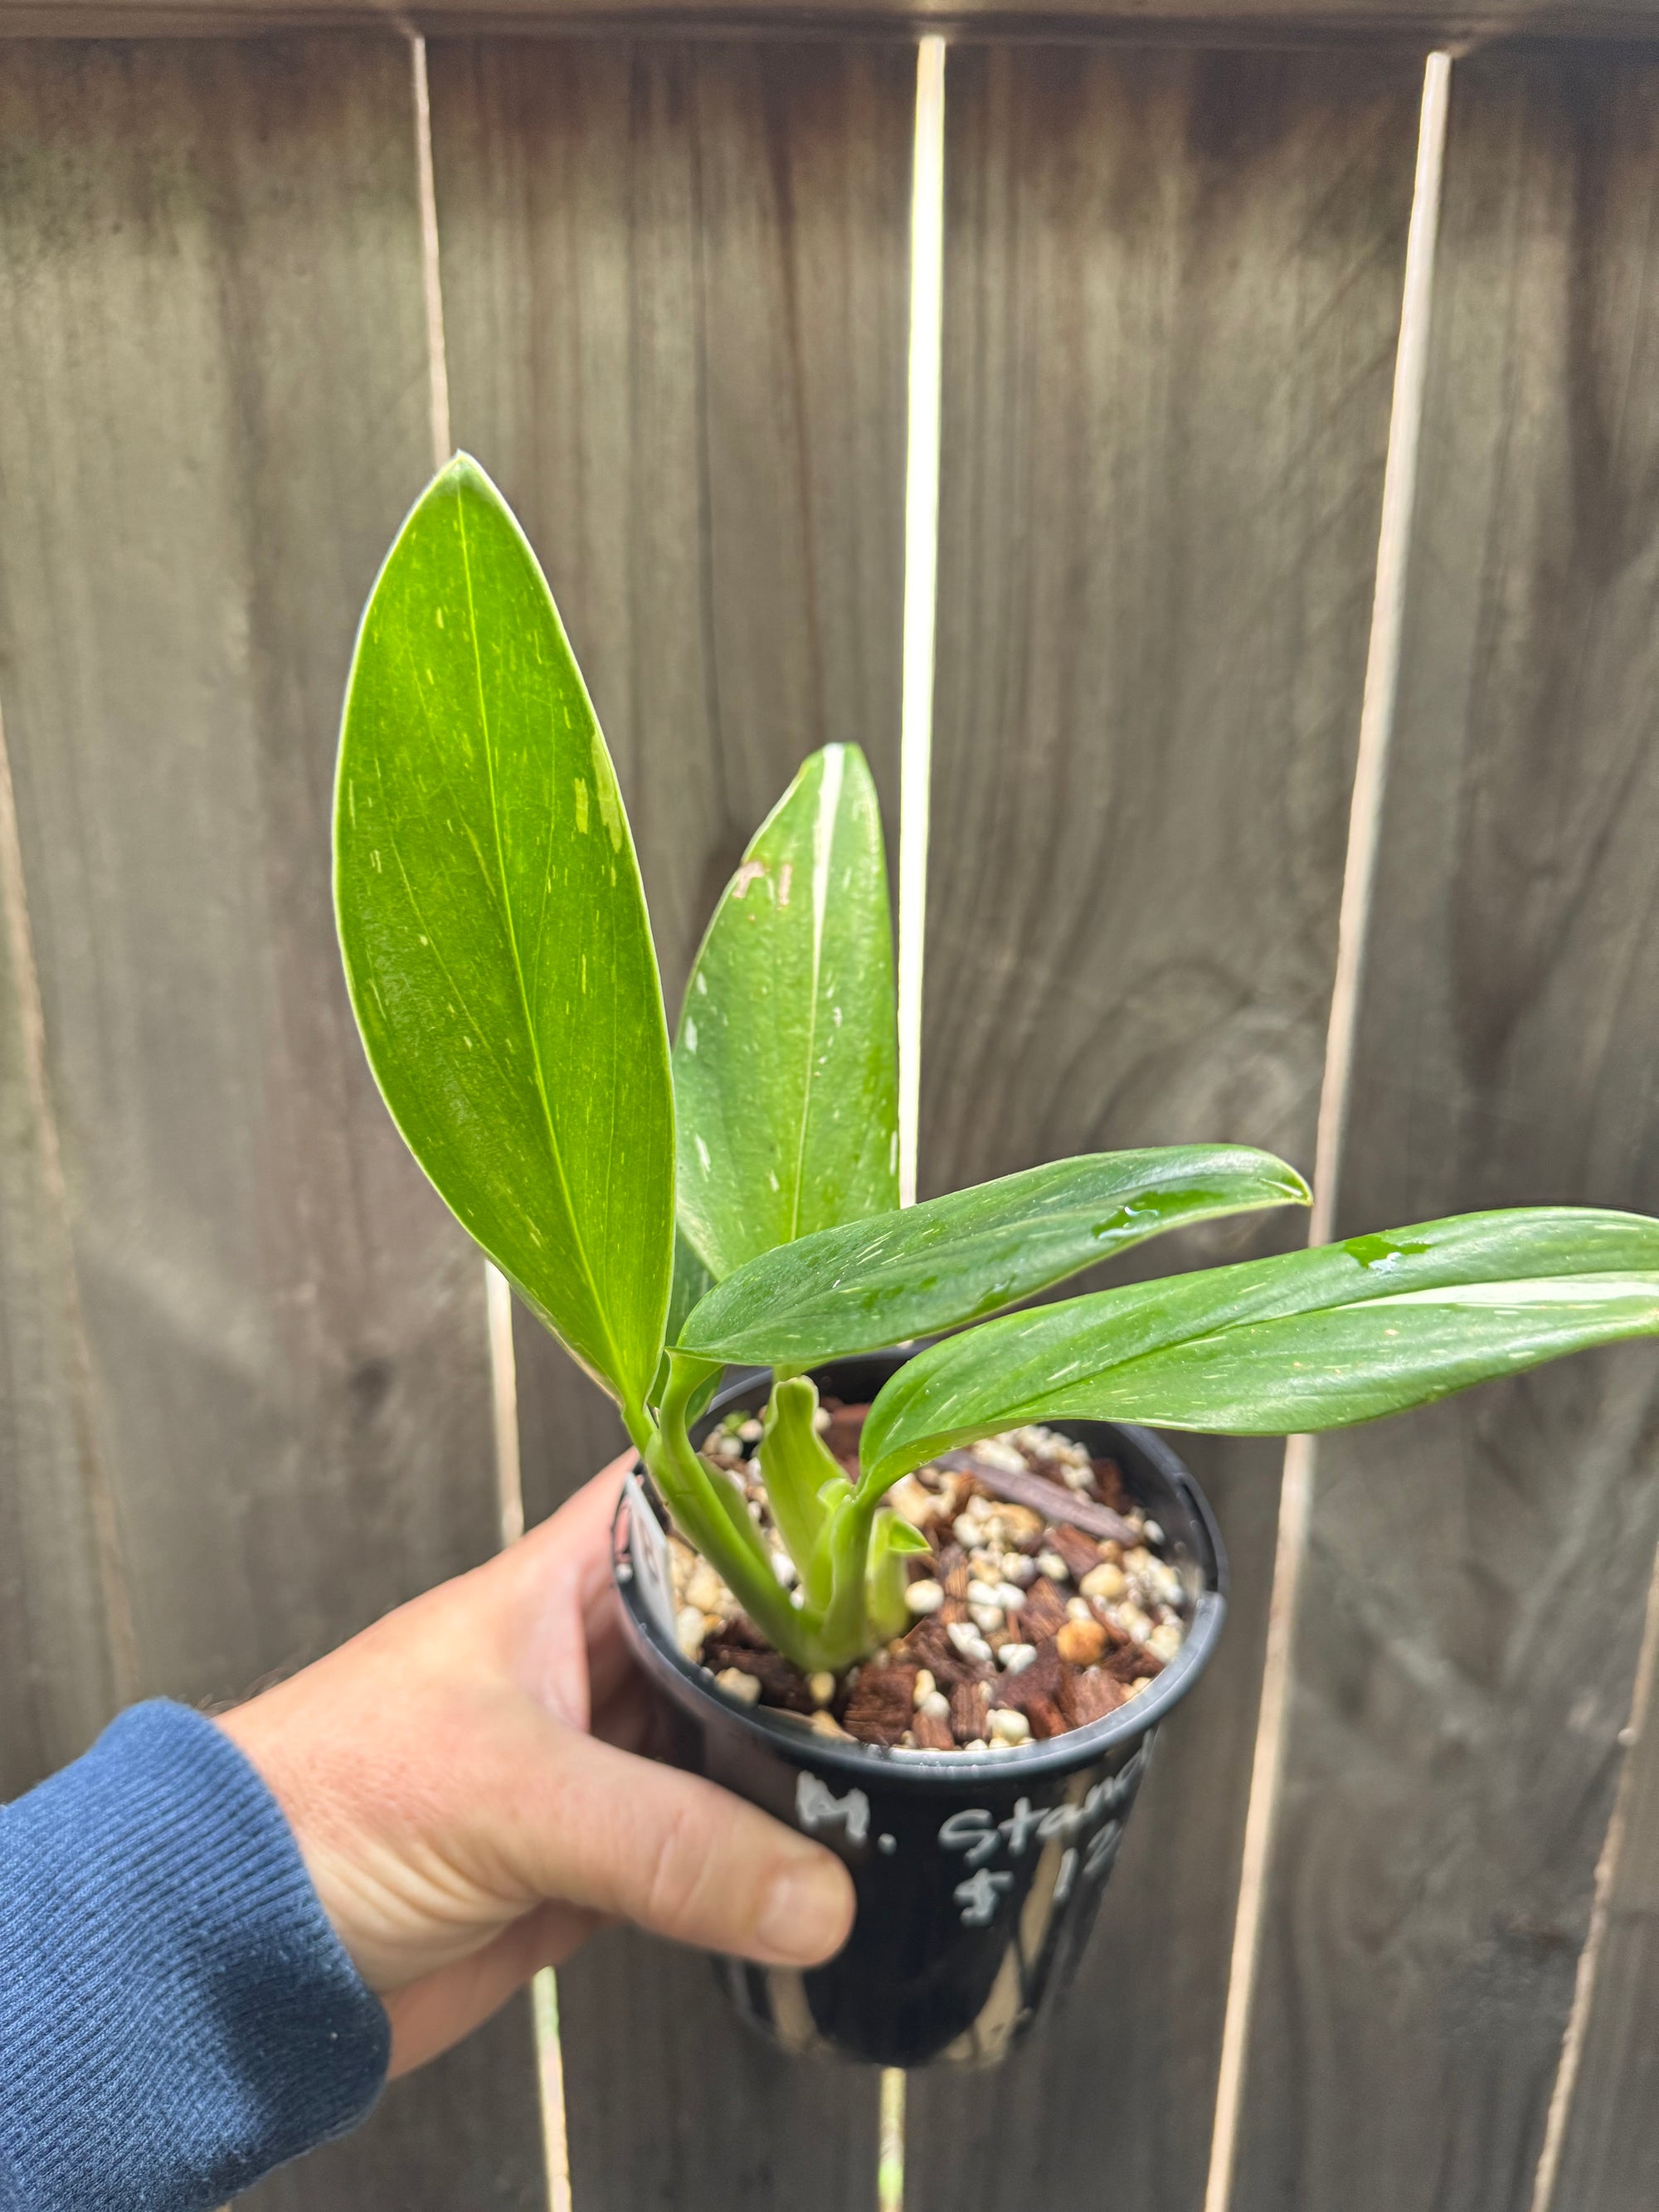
977, 1875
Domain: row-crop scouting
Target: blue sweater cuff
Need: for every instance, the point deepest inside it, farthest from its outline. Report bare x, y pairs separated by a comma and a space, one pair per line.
177, 2016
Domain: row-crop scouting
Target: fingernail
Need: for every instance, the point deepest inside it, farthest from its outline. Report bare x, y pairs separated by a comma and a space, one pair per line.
807, 1912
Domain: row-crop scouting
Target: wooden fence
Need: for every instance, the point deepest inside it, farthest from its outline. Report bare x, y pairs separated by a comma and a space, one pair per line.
1390, 1906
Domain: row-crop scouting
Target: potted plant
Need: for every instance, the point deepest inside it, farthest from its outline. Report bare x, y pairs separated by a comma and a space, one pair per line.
930, 1605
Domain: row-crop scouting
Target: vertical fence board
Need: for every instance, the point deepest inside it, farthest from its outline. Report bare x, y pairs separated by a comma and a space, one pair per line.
58, 1659
675, 301
675, 289
1172, 297
1609, 2154
1476, 1575
215, 370
1610, 2151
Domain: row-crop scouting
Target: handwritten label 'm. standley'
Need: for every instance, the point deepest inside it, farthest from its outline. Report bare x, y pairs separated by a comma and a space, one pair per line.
816, 1806
1091, 1826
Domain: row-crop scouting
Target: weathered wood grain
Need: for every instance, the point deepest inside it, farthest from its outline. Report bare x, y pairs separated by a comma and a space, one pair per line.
1476, 1575
1407, 23
215, 363
675, 296
61, 1590
675, 304
1172, 295
1609, 2148
568, 1427
671, 2107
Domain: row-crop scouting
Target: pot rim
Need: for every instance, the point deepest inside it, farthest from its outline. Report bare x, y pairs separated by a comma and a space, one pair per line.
923, 1770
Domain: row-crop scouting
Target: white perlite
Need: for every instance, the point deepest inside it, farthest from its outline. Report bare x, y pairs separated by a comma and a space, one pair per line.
1130, 1591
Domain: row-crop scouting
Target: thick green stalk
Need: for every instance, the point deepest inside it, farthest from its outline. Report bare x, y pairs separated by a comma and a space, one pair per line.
713, 1517
798, 1469
893, 1542
832, 1496
844, 1635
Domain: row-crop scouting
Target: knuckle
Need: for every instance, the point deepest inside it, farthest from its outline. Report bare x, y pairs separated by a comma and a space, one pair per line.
677, 1868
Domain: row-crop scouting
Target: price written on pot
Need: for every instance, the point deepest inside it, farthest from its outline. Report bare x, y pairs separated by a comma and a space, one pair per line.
1089, 1832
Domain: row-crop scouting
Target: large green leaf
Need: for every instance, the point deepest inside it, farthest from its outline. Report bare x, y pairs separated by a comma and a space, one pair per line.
495, 931
691, 1281
955, 1259
786, 1070
1309, 1341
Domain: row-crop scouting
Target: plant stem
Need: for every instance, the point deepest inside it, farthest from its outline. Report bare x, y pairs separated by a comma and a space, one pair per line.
798, 1468
888, 1615
719, 1524
844, 1635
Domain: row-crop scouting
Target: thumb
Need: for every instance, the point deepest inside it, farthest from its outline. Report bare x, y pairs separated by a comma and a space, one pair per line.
597, 1827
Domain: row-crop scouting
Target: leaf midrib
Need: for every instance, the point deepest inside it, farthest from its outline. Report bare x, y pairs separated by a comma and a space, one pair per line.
820, 908
1439, 1293
597, 1303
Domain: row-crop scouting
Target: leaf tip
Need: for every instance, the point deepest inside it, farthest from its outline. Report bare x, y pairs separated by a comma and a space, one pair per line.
462, 475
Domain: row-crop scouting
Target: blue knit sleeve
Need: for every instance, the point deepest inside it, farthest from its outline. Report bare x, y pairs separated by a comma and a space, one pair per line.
177, 2016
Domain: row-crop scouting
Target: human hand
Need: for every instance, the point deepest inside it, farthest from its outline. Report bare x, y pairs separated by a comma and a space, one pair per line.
463, 1783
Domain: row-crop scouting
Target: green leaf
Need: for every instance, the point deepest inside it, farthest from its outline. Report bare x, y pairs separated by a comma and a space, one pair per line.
955, 1259
785, 1070
1309, 1340
710, 1513
885, 1578
495, 931
902, 1537
845, 1631
797, 1467
691, 1282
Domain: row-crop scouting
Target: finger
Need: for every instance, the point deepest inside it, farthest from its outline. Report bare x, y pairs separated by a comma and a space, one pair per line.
561, 1573
609, 1661
583, 1518
428, 2015
616, 1834
628, 1719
